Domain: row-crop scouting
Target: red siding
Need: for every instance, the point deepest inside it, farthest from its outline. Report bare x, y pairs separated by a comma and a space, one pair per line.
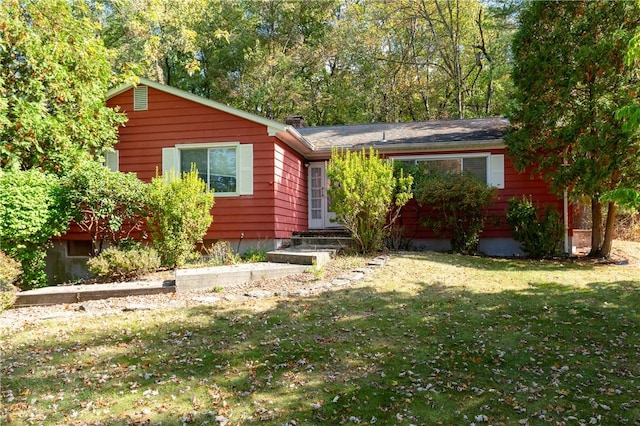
290, 191
516, 185
172, 120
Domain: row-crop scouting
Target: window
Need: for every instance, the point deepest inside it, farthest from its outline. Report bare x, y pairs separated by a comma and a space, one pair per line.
477, 166
216, 166
486, 167
112, 160
227, 168
79, 248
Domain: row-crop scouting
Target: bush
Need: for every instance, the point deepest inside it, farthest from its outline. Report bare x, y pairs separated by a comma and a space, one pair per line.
220, 253
366, 195
254, 255
118, 264
180, 215
33, 208
9, 272
109, 206
456, 206
537, 237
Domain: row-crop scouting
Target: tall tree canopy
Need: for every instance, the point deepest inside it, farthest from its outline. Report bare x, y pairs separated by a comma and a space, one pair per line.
54, 74
571, 77
332, 61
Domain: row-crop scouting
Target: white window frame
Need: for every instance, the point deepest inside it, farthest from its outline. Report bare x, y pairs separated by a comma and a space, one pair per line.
171, 160
112, 160
495, 163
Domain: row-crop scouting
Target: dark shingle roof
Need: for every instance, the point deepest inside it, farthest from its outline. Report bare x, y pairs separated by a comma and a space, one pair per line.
424, 132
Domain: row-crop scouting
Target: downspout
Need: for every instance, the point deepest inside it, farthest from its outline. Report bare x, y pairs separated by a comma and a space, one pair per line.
565, 215
567, 240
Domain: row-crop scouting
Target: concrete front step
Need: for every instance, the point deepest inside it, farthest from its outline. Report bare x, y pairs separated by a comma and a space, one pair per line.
225, 276
82, 293
319, 239
303, 255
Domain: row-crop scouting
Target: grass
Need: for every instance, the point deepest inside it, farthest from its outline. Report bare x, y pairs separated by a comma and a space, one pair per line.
429, 339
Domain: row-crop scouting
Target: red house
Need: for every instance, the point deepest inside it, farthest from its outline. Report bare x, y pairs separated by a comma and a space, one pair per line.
269, 177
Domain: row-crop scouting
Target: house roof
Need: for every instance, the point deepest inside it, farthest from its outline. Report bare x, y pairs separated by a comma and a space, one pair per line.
441, 134
317, 142
286, 133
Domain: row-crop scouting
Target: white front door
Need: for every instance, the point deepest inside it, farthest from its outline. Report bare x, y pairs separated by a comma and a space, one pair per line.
319, 202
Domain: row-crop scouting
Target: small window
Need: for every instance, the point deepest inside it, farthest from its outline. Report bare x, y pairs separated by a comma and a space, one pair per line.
78, 248
112, 160
140, 98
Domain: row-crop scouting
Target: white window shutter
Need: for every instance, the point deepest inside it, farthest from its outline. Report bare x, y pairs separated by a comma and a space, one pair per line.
170, 162
245, 169
497, 171
112, 160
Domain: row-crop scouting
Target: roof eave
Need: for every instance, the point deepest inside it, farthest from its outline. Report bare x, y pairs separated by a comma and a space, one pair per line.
400, 148
296, 141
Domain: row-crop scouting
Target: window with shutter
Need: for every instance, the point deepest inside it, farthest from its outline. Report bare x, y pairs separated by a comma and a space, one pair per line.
227, 168
486, 167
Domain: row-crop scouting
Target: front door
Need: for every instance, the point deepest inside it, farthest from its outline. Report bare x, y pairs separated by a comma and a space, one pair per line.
319, 202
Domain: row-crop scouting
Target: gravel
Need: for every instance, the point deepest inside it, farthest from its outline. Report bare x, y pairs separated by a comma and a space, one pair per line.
293, 286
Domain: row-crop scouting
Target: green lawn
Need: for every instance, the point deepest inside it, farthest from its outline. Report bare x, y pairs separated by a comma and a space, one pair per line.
429, 339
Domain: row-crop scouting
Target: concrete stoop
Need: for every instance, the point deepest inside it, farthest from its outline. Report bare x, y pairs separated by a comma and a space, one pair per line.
225, 276
302, 255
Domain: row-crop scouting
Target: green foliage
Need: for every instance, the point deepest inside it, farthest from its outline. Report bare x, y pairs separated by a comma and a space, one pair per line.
54, 76
180, 215
628, 198
366, 196
538, 237
254, 255
33, 208
343, 61
9, 272
109, 206
118, 264
456, 206
219, 254
571, 78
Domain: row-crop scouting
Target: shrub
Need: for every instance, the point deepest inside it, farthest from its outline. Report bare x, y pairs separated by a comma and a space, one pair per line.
180, 215
254, 255
537, 237
366, 195
9, 272
108, 205
33, 208
220, 253
456, 206
118, 264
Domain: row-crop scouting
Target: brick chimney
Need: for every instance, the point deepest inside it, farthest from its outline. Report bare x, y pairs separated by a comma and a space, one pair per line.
296, 121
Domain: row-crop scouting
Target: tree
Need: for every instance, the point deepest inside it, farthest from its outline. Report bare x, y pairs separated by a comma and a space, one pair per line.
154, 38
366, 196
571, 77
54, 75
109, 206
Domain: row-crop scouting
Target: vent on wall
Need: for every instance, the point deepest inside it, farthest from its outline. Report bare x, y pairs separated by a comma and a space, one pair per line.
140, 98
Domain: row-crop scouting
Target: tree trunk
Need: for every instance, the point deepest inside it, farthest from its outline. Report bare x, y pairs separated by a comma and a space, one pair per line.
605, 250
596, 227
